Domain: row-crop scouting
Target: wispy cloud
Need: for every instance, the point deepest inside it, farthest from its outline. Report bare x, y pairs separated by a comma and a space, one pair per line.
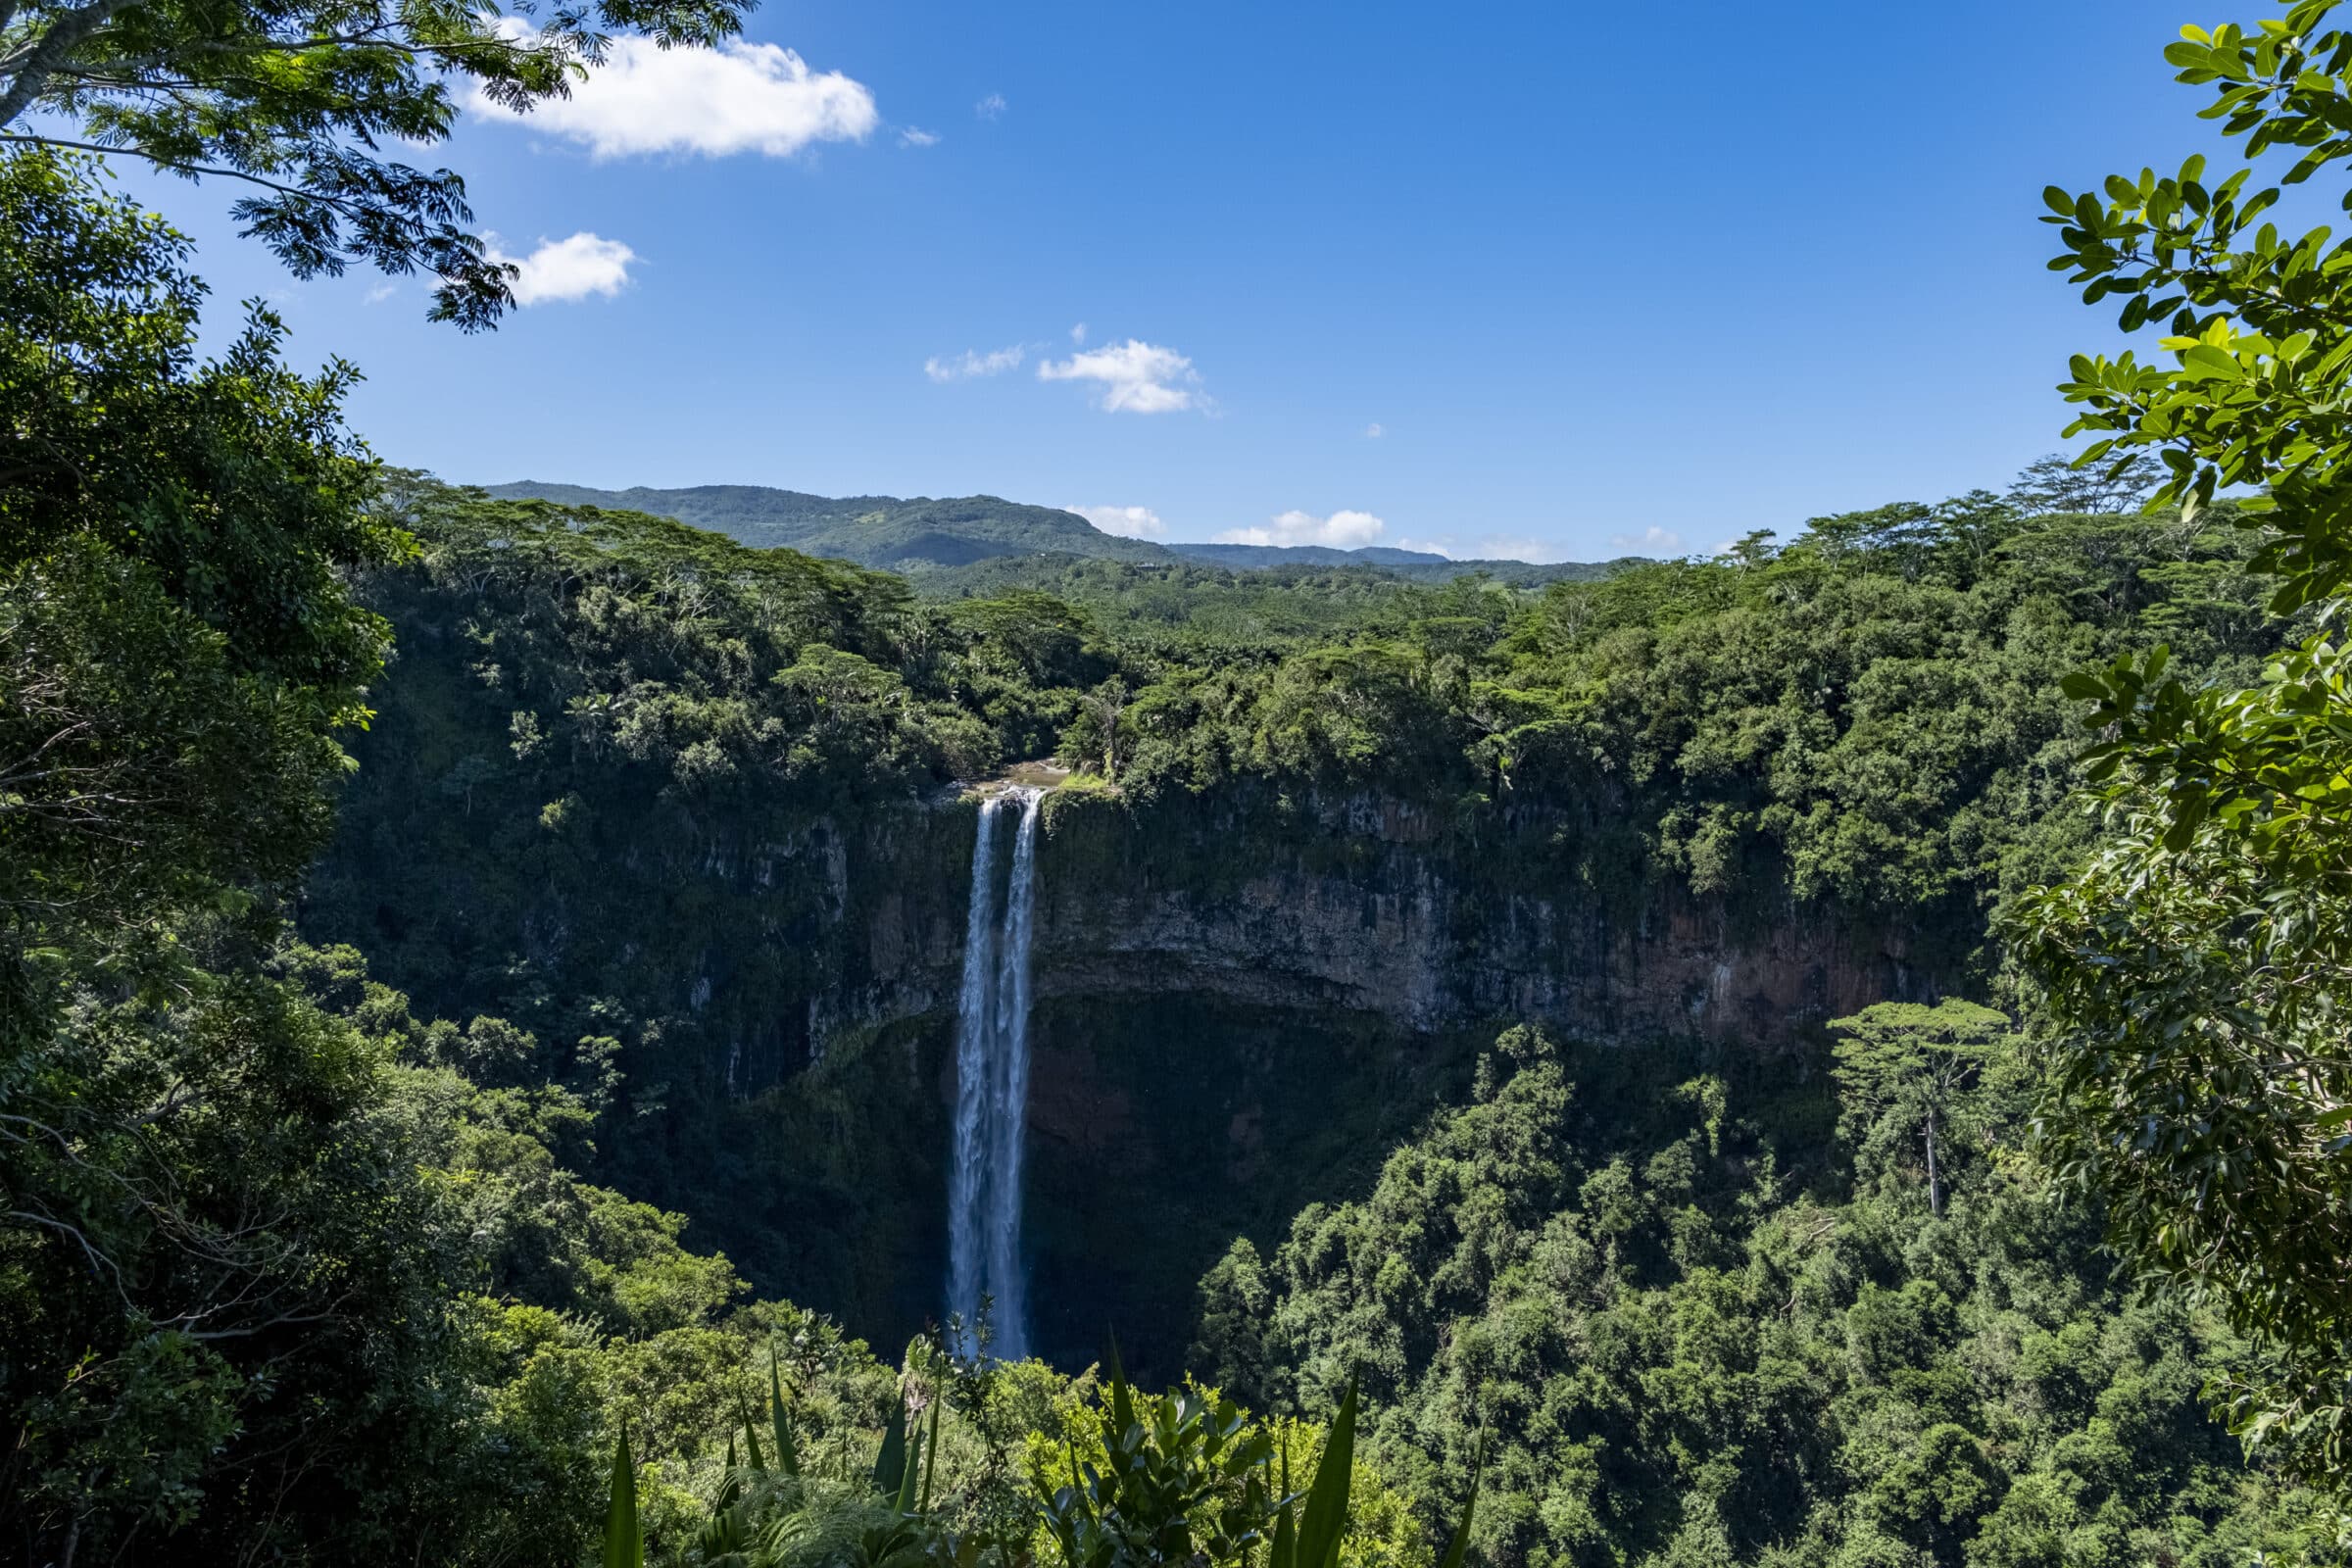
737, 98
1653, 541
382, 293
1078, 334
991, 107
917, 136
1508, 547
1135, 377
1342, 531
968, 365
564, 270
1375, 431
1130, 522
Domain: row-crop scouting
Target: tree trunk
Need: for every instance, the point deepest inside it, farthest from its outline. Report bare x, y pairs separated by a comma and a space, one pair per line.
1934, 1190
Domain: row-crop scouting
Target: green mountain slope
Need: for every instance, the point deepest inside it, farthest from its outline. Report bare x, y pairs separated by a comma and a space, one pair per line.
924, 537
908, 536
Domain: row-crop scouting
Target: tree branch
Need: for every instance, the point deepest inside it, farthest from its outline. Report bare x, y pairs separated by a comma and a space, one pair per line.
31, 69
338, 202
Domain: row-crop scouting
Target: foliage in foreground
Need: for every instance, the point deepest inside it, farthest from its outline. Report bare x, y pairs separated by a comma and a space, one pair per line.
294, 100
1121, 1480
288, 1274
2196, 972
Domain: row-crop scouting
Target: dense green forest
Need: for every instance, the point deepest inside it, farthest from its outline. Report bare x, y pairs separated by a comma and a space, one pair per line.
475, 969
596, 715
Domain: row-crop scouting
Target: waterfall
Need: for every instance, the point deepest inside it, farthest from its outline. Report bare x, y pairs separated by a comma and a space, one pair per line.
992, 1082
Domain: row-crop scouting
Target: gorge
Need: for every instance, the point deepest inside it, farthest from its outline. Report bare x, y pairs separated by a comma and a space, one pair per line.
1271, 951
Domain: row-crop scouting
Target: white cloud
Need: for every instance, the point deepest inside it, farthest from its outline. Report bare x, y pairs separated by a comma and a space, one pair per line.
567, 269
967, 365
917, 136
737, 98
1504, 547
1129, 522
990, 106
1442, 545
1078, 334
382, 293
1137, 377
1653, 541
1374, 431
1342, 531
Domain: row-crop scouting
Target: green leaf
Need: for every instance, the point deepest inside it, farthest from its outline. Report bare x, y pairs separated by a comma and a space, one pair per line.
751, 1435
1325, 1519
908, 1471
890, 1464
931, 1453
624, 1542
1461, 1532
788, 1453
1122, 1401
1286, 1530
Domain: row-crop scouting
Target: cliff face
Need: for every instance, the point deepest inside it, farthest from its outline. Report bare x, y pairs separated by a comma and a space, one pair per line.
1363, 907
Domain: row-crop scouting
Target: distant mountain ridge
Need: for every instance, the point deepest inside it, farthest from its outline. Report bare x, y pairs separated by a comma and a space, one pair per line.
871, 530
926, 536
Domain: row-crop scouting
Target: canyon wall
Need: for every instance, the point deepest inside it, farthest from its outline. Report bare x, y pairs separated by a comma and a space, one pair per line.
1364, 907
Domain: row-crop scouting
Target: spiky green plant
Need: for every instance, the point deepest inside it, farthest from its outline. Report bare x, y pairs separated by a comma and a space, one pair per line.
624, 1539
778, 1517
1178, 1481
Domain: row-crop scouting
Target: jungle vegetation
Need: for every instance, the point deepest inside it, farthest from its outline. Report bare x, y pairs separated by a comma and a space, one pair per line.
325, 1250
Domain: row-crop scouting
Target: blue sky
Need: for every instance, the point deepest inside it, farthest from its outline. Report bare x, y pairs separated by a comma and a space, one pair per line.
1550, 281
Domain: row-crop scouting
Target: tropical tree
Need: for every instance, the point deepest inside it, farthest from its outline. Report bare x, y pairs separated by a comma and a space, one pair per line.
2196, 971
1102, 707
1904, 1065
294, 99
177, 653
2055, 484
177, 647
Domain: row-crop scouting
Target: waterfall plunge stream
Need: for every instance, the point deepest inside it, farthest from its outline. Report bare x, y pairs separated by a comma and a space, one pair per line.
992, 1084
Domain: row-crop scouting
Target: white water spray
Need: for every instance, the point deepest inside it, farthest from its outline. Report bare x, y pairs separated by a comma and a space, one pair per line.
992, 1083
